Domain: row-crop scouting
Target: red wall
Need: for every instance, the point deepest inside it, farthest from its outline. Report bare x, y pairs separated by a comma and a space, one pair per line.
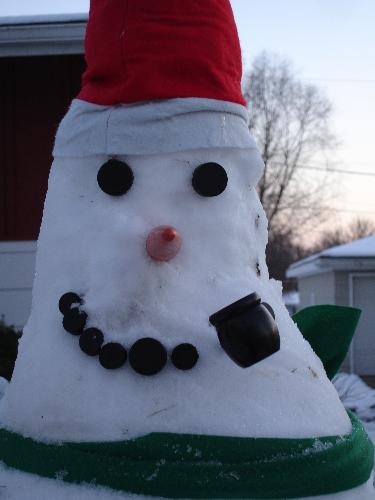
35, 93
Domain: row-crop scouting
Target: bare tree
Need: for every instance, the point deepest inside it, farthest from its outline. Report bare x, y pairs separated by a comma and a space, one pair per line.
358, 228
290, 122
282, 250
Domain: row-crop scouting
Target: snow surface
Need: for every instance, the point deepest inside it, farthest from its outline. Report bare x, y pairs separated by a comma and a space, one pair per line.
42, 19
357, 396
365, 247
3, 386
16, 485
94, 244
362, 248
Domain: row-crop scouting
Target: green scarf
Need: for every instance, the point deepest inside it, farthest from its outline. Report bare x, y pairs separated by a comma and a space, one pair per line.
199, 466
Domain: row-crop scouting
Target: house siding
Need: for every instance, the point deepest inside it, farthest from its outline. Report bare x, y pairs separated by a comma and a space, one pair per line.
342, 288
317, 289
17, 267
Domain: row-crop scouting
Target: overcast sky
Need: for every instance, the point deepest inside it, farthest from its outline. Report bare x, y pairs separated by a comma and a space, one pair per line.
330, 42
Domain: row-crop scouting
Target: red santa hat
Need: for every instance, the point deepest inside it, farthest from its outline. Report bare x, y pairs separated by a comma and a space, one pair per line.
145, 50
168, 62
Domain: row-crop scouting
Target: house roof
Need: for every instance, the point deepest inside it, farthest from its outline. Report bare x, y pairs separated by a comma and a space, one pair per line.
359, 255
365, 247
42, 35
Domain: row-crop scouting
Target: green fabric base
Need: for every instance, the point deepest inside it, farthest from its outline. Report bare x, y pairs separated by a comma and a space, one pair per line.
329, 330
199, 466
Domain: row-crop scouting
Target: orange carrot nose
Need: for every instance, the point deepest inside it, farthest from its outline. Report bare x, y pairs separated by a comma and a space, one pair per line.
163, 243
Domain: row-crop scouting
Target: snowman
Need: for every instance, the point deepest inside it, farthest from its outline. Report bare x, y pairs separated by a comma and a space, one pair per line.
159, 360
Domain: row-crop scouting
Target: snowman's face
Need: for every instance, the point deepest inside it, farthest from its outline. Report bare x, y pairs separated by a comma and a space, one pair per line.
94, 243
183, 192
151, 242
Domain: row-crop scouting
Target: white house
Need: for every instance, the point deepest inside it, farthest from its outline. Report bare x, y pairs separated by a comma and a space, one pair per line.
41, 62
344, 275
17, 264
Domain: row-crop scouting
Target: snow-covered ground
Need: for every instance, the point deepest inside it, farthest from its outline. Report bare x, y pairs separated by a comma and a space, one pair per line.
21, 486
357, 396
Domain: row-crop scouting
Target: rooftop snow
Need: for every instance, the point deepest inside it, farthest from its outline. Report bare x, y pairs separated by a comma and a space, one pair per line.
42, 35
365, 247
42, 19
357, 255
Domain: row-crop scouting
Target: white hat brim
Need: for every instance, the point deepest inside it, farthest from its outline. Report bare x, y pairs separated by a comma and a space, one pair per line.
155, 127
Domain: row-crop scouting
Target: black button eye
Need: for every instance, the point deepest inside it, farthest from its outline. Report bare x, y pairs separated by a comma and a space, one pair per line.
209, 179
115, 177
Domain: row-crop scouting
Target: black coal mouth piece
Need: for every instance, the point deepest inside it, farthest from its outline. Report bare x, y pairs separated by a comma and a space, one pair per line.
147, 356
247, 330
237, 307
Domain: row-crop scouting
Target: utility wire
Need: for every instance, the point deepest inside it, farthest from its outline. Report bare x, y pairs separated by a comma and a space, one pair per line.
341, 171
337, 170
332, 170
334, 209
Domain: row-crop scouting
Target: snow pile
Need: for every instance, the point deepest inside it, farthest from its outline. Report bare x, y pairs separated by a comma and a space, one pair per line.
357, 396
15, 485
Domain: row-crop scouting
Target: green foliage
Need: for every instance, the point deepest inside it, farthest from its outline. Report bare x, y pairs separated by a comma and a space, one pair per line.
8, 349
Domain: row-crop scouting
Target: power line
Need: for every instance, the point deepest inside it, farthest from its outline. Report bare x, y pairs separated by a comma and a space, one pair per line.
337, 170
332, 170
339, 210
